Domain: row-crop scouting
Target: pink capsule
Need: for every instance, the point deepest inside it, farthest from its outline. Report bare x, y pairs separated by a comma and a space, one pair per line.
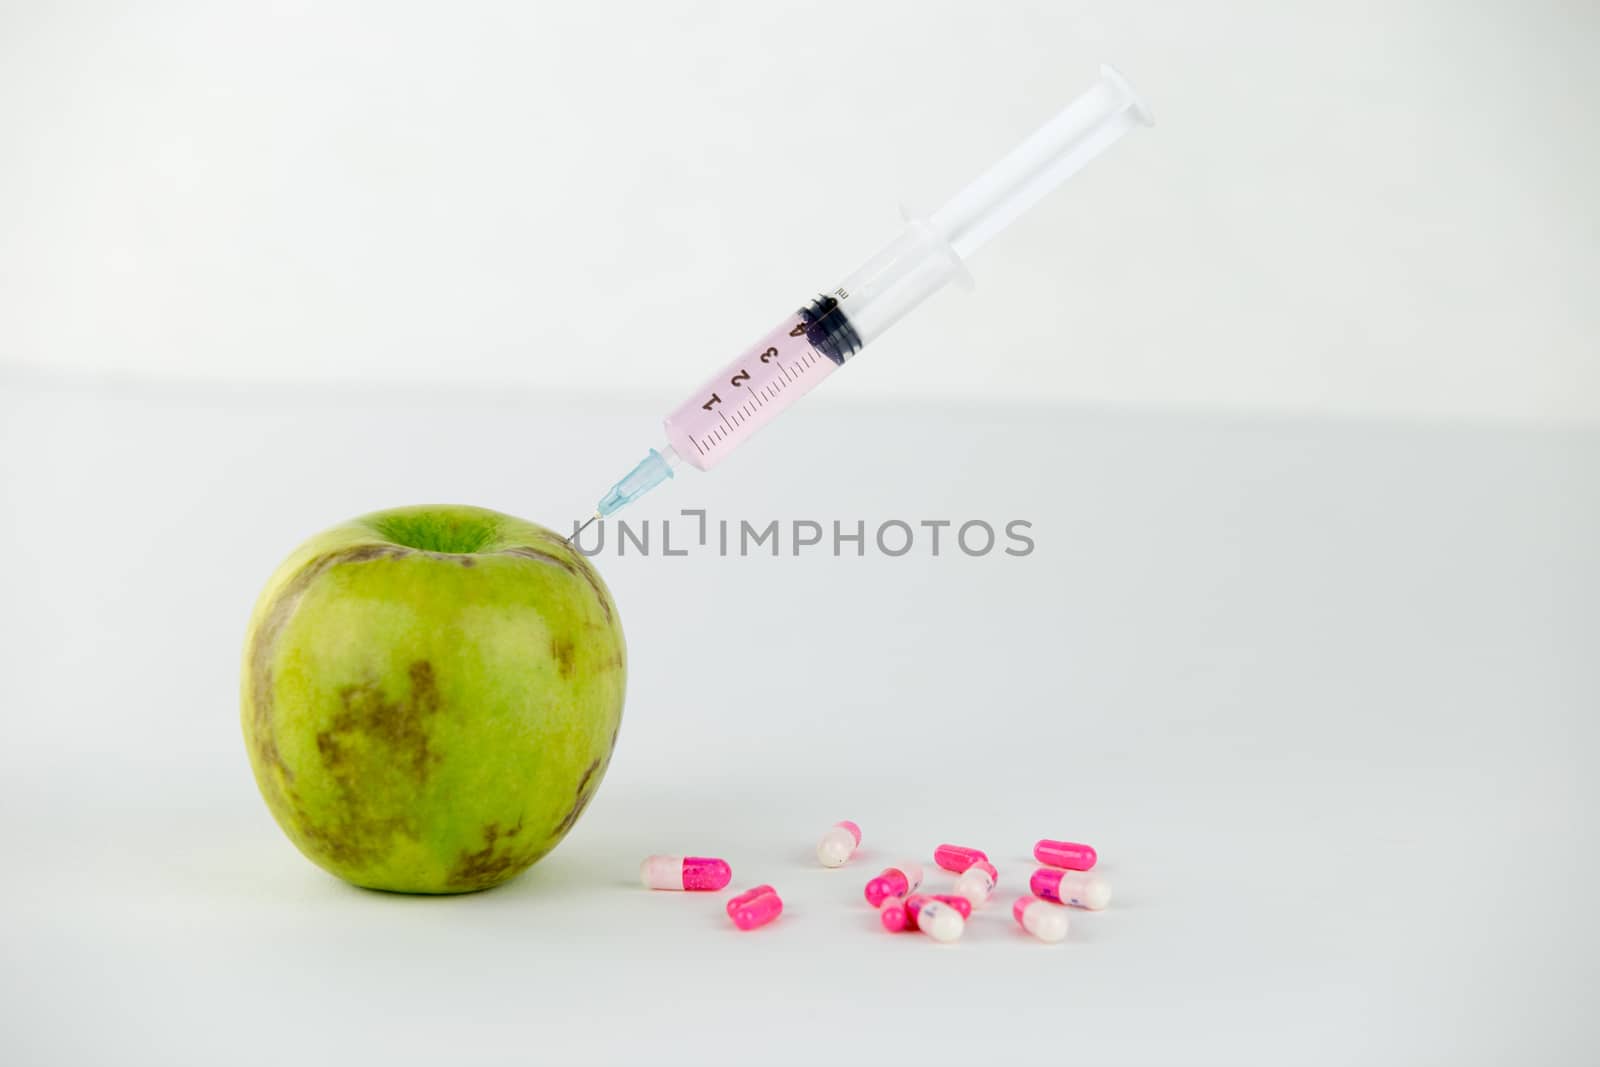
894, 882
1046, 921
684, 872
977, 883
957, 858
1078, 888
839, 844
893, 914
1068, 854
961, 904
756, 910
934, 917
734, 903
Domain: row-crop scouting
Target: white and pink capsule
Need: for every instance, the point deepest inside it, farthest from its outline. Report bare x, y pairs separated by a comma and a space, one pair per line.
1078, 888
694, 873
839, 844
894, 882
1042, 919
934, 917
977, 882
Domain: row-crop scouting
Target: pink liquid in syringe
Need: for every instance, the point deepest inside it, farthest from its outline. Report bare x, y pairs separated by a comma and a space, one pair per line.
747, 394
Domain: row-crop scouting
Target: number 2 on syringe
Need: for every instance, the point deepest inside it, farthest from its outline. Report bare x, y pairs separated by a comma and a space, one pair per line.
740, 378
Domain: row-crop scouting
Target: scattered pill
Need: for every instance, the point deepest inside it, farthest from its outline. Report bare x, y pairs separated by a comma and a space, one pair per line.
934, 917
961, 904
1068, 854
977, 883
1078, 888
756, 910
684, 872
957, 858
894, 882
1042, 919
839, 844
747, 896
893, 914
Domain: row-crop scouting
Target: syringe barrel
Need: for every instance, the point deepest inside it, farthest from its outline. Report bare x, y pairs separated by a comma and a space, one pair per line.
779, 368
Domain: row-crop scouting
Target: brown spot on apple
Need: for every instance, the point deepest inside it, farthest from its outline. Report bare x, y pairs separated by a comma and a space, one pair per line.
489, 865
576, 567
580, 799
264, 644
565, 653
400, 727
370, 739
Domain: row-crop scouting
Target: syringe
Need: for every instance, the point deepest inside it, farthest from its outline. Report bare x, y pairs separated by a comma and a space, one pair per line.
811, 344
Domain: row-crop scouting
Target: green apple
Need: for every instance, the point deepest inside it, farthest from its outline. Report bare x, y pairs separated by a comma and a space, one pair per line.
431, 696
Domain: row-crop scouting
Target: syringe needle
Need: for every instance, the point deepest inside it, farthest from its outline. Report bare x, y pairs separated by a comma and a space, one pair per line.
574, 536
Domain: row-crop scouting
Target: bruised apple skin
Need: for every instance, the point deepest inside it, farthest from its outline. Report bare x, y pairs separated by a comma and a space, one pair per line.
431, 695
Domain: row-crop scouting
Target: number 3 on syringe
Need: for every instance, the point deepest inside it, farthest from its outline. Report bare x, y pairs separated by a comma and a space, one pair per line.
739, 379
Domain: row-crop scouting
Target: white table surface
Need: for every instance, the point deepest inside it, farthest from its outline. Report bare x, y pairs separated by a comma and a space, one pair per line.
1322, 693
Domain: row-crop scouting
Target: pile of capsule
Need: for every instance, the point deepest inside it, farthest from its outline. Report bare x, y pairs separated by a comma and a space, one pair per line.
1061, 882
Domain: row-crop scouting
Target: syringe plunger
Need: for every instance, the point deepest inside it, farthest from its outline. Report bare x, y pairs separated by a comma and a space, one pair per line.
1052, 154
931, 252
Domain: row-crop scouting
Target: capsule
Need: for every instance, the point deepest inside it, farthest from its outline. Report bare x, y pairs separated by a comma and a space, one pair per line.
839, 844
1078, 888
934, 917
1068, 854
756, 907
1042, 919
736, 902
961, 904
957, 858
894, 882
977, 883
699, 873
893, 915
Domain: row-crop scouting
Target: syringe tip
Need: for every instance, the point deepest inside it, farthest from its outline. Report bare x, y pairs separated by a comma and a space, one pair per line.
645, 476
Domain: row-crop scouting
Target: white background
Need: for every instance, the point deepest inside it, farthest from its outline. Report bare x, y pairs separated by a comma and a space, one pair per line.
1296, 390
1350, 206
1323, 695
